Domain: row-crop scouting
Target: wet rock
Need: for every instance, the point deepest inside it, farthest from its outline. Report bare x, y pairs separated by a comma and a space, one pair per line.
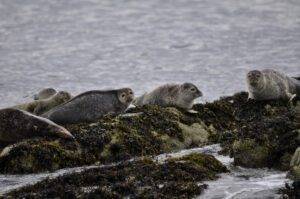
291, 191
294, 173
145, 131
296, 158
255, 134
174, 178
264, 133
248, 153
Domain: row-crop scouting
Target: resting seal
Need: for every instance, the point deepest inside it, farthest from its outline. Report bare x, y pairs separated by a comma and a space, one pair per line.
91, 105
269, 84
44, 94
178, 95
39, 107
16, 125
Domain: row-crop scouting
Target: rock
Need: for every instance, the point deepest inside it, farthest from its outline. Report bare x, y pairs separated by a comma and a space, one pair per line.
152, 131
296, 158
294, 173
174, 178
255, 134
248, 153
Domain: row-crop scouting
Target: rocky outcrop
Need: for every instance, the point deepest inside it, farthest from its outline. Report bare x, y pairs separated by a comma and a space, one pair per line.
174, 178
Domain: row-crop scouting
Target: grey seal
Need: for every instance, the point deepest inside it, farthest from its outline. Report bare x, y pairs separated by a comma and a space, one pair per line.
39, 107
269, 84
44, 94
178, 95
91, 105
17, 125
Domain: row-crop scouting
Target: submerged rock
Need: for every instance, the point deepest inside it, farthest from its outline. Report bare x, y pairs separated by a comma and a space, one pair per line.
174, 178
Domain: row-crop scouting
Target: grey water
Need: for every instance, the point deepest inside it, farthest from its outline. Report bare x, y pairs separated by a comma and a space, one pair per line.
81, 45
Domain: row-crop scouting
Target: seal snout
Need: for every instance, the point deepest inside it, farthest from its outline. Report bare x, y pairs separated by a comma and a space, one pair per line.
199, 93
253, 77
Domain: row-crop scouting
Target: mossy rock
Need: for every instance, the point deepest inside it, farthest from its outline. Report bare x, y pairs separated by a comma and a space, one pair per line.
149, 130
272, 127
295, 161
249, 154
40, 154
294, 173
174, 178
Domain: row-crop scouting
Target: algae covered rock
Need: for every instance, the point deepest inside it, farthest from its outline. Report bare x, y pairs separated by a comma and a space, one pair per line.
294, 172
296, 158
264, 134
255, 134
149, 130
173, 178
248, 153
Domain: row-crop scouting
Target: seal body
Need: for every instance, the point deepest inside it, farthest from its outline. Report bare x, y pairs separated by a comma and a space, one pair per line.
44, 94
91, 105
38, 107
269, 84
178, 95
16, 125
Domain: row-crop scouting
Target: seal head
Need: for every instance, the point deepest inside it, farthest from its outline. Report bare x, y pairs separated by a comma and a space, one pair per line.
125, 96
255, 78
44, 94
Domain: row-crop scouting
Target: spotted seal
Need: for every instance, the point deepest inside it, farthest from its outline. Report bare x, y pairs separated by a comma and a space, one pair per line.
16, 125
38, 107
178, 95
269, 84
91, 105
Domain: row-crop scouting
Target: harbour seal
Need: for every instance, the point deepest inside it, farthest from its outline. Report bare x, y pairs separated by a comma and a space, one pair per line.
91, 105
39, 107
269, 84
44, 94
178, 95
17, 125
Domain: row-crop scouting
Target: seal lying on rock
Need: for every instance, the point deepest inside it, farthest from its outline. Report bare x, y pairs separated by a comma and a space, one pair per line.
178, 95
44, 94
91, 105
16, 125
269, 84
39, 107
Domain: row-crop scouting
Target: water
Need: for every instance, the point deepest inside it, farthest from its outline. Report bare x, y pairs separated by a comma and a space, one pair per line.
239, 183
81, 45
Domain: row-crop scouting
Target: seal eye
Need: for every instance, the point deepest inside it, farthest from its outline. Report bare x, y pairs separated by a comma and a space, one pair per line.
123, 95
131, 93
193, 89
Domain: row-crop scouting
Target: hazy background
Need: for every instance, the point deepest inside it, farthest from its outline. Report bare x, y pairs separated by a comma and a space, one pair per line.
81, 45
